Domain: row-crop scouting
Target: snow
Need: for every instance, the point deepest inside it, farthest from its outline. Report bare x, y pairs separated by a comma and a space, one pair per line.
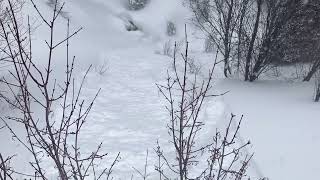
129, 114
281, 120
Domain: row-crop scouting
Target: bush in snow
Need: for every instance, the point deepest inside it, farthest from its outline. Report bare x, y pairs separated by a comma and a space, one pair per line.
171, 29
167, 48
128, 21
131, 26
194, 67
101, 68
137, 4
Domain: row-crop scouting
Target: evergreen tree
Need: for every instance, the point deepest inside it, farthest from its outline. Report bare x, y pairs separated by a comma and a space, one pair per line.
302, 35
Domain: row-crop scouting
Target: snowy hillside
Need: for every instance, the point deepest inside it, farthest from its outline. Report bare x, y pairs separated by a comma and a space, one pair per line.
129, 114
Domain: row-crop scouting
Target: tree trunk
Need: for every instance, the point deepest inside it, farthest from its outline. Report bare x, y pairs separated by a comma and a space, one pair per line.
317, 96
227, 41
251, 45
243, 13
227, 68
313, 70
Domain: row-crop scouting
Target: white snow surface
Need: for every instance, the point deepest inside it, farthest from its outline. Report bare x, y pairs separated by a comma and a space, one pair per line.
283, 124
129, 114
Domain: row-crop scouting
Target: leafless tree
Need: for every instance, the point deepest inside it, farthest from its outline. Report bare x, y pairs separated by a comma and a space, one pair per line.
254, 33
219, 20
277, 14
240, 35
261, 31
246, 30
37, 94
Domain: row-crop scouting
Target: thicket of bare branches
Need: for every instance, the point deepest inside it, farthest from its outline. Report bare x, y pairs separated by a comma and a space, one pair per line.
35, 94
5, 169
185, 95
219, 20
255, 36
5, 17
265, 42
246, 32
137, 4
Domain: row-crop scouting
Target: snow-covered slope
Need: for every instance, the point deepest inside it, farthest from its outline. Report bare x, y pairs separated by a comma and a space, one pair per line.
283, 124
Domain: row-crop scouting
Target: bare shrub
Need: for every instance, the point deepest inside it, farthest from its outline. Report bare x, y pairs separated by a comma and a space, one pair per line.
271, 18
171, 28
227, 158
167, 48
194, 67
137, 4
185, 96
246, 30
129, 22
102, 68
131, 26
218, 20
300, 70
276, 71
49, 138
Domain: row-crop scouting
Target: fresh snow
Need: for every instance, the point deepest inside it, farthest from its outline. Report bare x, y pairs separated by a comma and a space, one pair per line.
283, 124
129, 114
